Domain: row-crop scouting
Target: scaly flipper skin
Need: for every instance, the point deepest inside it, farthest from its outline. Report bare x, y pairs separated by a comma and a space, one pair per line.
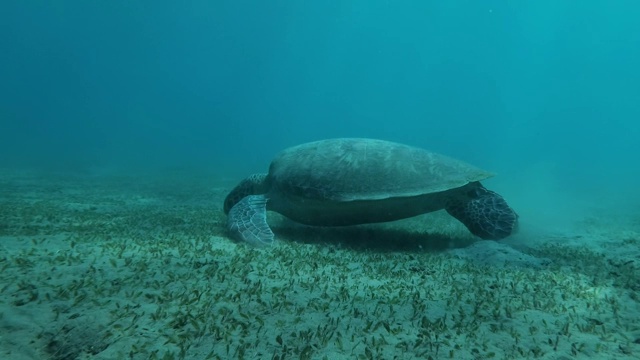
255, 184
487, 215
247, 221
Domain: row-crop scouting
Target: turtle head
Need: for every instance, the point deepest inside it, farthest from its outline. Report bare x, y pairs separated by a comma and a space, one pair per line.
485, 213
253, 185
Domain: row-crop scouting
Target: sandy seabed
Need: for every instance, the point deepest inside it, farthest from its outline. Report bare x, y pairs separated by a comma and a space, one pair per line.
124, 267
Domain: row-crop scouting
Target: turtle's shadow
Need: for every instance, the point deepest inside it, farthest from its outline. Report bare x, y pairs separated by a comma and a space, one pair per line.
378, 238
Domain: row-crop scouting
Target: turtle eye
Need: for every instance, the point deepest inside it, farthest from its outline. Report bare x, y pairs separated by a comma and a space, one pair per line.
476, 192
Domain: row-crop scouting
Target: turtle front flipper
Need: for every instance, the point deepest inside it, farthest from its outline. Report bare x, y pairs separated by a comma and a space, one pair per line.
247, 221
486, 214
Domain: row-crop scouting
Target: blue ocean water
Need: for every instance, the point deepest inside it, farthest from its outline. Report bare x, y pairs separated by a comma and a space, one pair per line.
544, 93
193, 96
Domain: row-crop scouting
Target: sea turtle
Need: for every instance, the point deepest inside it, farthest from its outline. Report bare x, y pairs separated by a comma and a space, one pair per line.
350, 181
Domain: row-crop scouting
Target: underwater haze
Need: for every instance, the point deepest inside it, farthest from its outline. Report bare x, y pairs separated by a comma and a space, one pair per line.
125, 126
544, 93
229, 83
544, 89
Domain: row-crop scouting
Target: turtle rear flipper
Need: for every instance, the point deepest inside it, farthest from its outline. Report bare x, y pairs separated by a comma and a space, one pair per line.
487, 215
253, 185
247, 221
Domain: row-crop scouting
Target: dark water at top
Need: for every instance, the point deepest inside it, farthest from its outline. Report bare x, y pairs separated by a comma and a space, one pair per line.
545, 93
